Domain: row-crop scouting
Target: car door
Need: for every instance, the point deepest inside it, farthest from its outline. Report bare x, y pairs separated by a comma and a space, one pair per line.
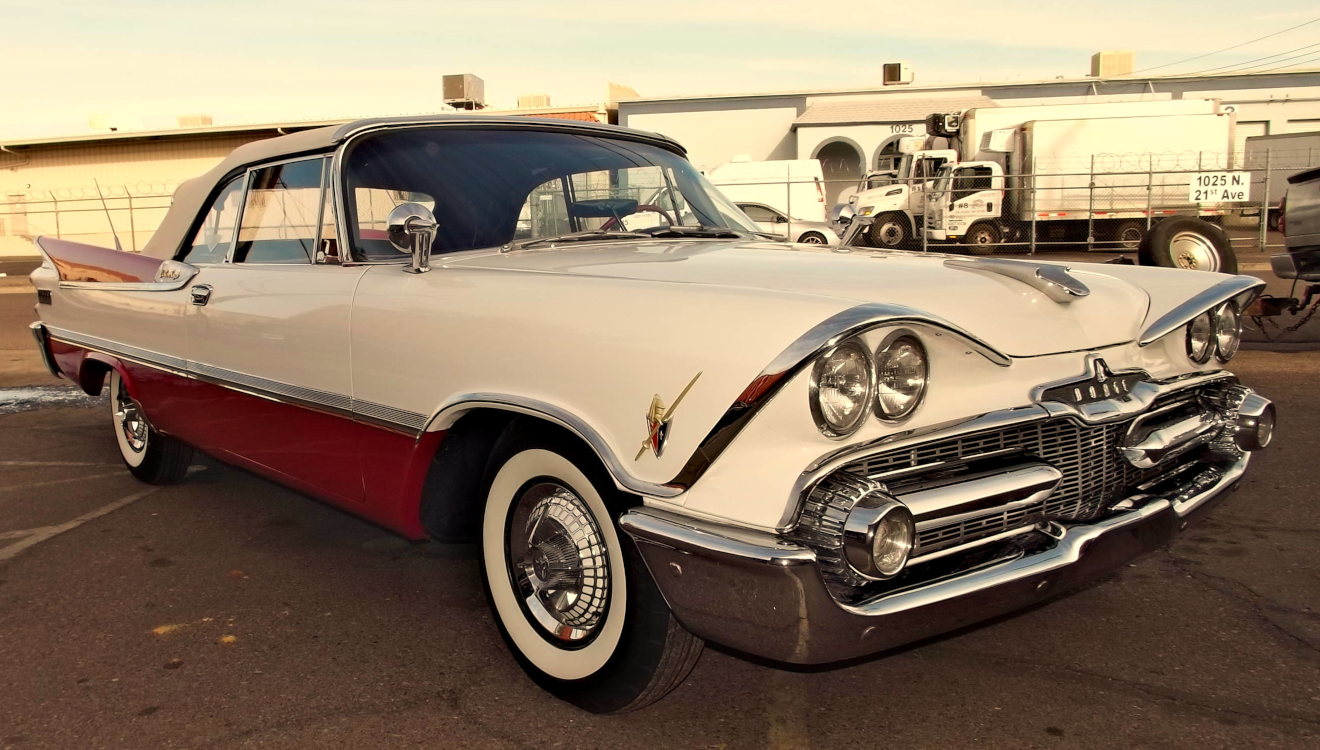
270, 324
767, 219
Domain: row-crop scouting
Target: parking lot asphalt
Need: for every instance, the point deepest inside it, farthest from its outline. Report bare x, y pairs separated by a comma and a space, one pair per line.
229, 612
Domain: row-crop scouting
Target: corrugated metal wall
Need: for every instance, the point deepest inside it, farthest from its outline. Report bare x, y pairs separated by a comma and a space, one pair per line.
52, 191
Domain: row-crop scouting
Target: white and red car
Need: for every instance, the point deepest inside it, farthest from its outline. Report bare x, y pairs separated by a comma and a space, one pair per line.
662, 431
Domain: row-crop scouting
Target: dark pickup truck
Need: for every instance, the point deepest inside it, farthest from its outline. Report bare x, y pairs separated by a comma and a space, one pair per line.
1301, 229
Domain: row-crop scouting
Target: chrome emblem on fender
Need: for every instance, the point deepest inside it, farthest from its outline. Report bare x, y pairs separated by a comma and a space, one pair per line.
658, 419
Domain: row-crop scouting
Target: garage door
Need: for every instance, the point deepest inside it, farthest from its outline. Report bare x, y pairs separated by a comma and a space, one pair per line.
1241, 133
1304, 126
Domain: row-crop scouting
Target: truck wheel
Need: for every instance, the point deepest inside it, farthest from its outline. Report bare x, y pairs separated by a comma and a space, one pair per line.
1129, 234
569, 590
890, 230
1188, 242
982, 239
1272, 220
150, 456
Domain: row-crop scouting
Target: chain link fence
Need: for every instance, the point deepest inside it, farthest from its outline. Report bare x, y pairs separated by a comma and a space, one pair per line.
1103, 203
91, 214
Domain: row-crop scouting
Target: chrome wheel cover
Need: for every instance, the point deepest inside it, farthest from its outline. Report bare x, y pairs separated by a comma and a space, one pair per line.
129, 420
1193, 251
558, 563
981, 237
812, 239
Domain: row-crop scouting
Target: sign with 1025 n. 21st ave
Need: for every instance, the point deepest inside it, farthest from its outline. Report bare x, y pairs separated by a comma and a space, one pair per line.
1218, 187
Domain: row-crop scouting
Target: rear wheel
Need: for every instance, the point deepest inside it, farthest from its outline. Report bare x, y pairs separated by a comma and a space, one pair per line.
812, 238
150, 456
890, 230
1187, 242
1129, 234
570, 592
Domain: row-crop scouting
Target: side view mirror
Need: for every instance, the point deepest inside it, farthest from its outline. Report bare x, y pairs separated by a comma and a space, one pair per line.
411, 228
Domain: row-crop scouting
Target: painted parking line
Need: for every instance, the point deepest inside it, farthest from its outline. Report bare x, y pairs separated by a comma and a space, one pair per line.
33, 537
56, 463
49, 482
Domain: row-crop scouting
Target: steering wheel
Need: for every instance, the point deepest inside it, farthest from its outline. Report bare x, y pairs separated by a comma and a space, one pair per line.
607, 226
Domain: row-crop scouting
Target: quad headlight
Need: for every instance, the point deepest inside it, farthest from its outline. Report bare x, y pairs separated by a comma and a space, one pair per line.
901, 374
842, 387
1201, 338
1228, 331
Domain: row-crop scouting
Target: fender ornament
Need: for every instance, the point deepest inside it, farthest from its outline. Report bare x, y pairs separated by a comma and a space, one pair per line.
658, 419
1055, 282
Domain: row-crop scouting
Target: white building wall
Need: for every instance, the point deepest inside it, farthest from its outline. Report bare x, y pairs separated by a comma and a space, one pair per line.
715, 136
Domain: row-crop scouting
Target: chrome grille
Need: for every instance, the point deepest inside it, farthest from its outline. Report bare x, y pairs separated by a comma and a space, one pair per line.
1094, 473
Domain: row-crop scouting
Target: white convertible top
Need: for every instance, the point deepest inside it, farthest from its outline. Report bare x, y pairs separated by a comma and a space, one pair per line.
194, 195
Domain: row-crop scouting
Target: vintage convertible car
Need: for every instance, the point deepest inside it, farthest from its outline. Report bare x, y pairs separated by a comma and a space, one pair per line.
663, 431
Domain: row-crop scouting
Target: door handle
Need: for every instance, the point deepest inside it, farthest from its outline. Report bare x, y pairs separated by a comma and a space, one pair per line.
201, 294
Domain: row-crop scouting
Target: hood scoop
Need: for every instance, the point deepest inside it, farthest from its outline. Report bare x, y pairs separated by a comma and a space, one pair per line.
1053, 281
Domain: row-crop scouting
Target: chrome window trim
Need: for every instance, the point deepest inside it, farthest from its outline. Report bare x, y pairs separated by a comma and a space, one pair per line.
1246, 288
242, 207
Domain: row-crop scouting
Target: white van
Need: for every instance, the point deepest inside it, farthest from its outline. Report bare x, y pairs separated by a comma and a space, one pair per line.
794, 187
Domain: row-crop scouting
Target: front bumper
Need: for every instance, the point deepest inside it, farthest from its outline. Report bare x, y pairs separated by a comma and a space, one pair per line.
762, 595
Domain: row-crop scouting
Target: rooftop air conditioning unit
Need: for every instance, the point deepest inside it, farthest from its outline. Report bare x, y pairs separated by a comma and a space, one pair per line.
464, 91
896, 73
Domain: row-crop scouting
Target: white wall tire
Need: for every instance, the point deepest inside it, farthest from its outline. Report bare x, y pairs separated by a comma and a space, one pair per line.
636, 652
150, 456
557, 662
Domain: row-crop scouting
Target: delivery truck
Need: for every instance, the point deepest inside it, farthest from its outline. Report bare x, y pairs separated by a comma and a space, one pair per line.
1057, 172
1272, 159
793, 187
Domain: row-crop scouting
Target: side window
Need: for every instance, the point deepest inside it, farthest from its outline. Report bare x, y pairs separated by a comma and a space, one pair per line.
545, 214
759, 214
281, 214
216, 234
970, 180
328, 250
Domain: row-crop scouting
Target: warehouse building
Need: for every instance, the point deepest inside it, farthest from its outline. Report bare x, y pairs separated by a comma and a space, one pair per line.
855, 130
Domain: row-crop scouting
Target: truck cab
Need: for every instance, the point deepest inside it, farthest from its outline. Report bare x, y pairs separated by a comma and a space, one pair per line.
966, 195
900, 196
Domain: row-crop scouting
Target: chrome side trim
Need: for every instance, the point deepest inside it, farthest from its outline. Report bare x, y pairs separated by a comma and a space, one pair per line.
1138, 399
39, 333
1055, 282
686, 534
1245, 286
451, 411
800, 354
399, 420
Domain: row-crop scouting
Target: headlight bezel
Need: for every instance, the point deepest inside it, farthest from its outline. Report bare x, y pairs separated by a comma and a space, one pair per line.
1190, 338
1218, 317
861, 534
890, 341
826, 428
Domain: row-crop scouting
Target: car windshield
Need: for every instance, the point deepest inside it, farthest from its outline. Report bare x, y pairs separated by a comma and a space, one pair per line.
489, 187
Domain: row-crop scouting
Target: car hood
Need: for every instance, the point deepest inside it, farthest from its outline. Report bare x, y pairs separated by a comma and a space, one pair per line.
1011, 316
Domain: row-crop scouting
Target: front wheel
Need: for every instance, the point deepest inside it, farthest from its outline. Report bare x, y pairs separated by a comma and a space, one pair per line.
812, 238
982, 239
890, 230
150, 456
570, 592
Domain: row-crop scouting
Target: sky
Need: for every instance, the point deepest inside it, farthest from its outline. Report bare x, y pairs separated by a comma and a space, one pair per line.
145, 61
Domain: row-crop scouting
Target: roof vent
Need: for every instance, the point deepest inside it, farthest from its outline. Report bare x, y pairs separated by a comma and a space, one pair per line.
896, 73
464, 91
1114, 62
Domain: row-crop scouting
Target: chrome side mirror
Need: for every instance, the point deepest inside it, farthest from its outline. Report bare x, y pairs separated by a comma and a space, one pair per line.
411, 228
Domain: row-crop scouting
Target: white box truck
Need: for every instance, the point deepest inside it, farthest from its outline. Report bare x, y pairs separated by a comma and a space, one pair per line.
1002, 169
794, 187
